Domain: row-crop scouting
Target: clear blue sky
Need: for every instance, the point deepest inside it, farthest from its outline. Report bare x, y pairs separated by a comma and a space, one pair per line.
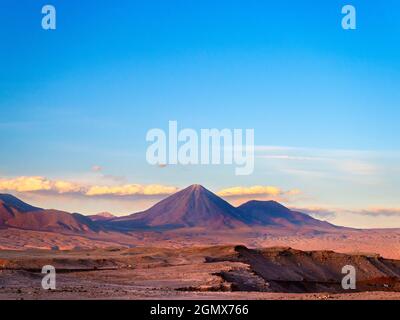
87, 93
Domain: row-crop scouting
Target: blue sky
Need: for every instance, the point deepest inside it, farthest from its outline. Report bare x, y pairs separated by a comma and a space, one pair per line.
85, 95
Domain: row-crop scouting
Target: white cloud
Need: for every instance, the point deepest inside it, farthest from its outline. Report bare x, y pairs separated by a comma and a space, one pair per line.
42, 184
131, 189
25, 184
240, 191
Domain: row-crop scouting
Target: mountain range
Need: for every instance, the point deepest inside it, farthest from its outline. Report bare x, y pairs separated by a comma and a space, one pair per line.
197, 207
193, 207
191, 217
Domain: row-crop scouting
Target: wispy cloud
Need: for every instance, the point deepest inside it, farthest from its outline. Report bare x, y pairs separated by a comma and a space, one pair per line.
294, 158
317, 212
331, 213
327, 162
377, 212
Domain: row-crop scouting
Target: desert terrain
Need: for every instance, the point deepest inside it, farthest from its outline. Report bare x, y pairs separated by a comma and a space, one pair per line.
221, 272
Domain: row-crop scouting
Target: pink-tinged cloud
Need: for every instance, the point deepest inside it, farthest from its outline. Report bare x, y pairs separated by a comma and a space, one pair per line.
97, 168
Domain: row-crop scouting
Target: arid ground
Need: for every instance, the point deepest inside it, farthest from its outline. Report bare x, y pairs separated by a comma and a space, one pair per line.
219, 272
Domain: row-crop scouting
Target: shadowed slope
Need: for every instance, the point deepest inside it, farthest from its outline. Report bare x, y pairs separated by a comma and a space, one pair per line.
16, 203
289, 270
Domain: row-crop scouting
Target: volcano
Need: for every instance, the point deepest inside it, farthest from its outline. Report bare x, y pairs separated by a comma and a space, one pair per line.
196, 206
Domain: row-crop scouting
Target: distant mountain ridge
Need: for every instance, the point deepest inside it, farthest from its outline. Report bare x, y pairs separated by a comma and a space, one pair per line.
15, 213
101, 216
